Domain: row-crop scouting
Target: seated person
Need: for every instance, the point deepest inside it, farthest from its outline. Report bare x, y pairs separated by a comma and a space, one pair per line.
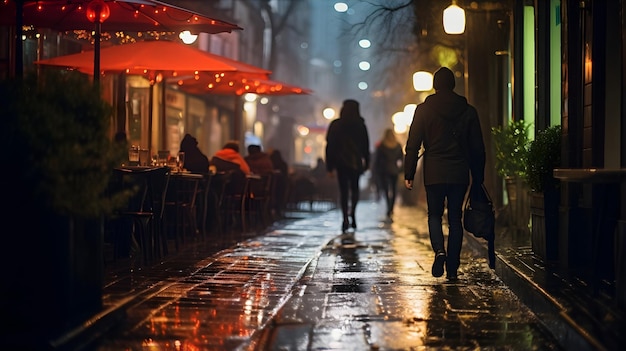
195, 160
279, 163
320, 169
259, 161
230, 153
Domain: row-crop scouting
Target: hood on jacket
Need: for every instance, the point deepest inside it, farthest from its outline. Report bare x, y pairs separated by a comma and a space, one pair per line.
446, 103
188, 142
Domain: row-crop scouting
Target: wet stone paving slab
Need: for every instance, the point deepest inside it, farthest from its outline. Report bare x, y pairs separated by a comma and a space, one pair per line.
306, 286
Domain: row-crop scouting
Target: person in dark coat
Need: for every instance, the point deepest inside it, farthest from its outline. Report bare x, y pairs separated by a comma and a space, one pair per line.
281, 182
348, 152
195, 160
388, 166
449, 130
258, 160
278, 162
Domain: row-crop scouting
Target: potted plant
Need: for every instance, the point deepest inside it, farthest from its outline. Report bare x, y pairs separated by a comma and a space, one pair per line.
544, 154
56, 135
511, 142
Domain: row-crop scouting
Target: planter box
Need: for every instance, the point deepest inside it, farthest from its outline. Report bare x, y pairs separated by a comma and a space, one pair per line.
518, 203
544, 217
62, 286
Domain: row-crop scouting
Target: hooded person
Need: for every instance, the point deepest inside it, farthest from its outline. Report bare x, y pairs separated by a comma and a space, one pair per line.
228, 157
348, 152
195, 160
448, 129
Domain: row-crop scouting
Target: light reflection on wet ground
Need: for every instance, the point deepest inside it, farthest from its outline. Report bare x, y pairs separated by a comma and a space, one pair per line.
369, 290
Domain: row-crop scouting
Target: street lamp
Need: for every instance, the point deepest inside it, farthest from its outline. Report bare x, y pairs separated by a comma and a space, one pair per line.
454, 19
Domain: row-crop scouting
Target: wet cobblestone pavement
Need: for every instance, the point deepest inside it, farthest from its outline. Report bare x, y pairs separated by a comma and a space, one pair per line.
305, 286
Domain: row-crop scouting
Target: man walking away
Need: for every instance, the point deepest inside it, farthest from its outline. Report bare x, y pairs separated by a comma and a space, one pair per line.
449, 130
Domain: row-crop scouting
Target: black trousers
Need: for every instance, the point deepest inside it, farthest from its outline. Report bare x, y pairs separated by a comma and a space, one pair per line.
438, 197
348, 190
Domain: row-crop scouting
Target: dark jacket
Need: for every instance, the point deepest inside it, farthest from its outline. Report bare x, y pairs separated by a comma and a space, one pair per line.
388, 160
347, 144
279, 163
195, 160
449, 129
260, 163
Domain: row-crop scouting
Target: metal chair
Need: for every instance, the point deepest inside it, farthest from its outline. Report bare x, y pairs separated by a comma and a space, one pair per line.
219, 183
181, 206
145, 210
259, 200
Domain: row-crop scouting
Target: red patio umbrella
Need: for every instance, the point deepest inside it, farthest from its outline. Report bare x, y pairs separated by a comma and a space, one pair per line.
125, 15
150, 58
104, 15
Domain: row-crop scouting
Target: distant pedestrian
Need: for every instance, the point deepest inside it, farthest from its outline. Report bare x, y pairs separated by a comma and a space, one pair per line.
388, 162
347, 151
281, 172
449, 130
319, 171
278, 162
195, 160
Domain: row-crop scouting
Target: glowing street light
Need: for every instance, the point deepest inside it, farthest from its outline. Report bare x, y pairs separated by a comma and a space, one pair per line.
454, 19
187, 37
423, 81
329, 113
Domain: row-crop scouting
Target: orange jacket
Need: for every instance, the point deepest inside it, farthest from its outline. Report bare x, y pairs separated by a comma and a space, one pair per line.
233, 156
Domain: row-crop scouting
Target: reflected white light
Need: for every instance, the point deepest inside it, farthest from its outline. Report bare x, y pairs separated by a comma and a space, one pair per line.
364, 66
341, 7
264, 100
328, 113
250, 97
365, 43
423, 81
454, 19
336, 334
187, 37
362, 85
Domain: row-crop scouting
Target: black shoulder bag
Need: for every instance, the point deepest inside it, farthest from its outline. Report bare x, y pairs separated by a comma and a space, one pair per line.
479, 218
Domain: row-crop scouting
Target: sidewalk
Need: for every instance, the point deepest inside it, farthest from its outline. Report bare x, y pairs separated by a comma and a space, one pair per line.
277, 289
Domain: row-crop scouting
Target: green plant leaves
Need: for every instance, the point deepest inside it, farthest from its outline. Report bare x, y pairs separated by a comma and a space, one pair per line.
544, 154
57, 128
511, 142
